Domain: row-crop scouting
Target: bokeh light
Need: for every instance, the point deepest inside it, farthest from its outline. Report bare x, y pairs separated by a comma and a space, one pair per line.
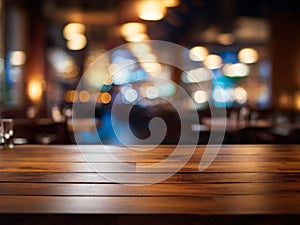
198, 53
152, 92
132, 30
105, 98
73, 28
248, 55
35, 90
130, 95
17, 58
240, 95
213, 61
171, 3
200, 97
77, 42
84, 96
151, 10
236, 70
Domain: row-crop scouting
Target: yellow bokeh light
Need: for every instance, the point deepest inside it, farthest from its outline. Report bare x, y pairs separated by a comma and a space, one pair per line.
147, 57
153, 68
151, 10
133, 28
78, 42
171, 3
105, 98
213, 61
73, 28
137, 37
84, 96
71, 96
35, 90
108, 81
297, 100
248, 55
198, 53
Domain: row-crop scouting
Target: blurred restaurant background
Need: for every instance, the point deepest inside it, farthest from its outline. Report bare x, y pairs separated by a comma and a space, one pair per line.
250, 47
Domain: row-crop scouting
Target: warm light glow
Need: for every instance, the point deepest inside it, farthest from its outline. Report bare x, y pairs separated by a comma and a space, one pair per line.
225, 38
152, 92
56, 114
297, 100
137, 38
240, 95
73, 28
171, 3
78, 42
248, 55
108, 81
105, 98
74, 34
128, 30
200, 96
198, 75
17, 58
97, 97
151, 10
198, 53
35, 90
84, 96
147, 57
213, 62
284, 100
236, 70
71, 96
139, 49
153, 68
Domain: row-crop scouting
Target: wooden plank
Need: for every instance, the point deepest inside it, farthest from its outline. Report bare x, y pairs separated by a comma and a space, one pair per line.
250, 179
226, 205
225, 149
225, 167
179, 178
65, 167
93, 157
162, 190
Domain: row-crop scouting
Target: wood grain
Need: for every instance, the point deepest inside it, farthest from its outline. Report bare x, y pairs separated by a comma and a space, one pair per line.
242, 180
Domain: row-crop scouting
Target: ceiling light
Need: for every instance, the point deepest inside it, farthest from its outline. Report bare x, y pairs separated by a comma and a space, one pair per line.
171, 3
78, 42
73, 28
133, 28
151, 10
137, 38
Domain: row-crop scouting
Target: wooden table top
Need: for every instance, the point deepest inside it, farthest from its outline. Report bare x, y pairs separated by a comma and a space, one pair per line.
243, 179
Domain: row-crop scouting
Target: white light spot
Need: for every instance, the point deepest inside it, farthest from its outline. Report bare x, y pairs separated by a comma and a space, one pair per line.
152, 92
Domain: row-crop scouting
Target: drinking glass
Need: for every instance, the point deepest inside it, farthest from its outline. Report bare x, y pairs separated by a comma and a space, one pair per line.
6, 133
